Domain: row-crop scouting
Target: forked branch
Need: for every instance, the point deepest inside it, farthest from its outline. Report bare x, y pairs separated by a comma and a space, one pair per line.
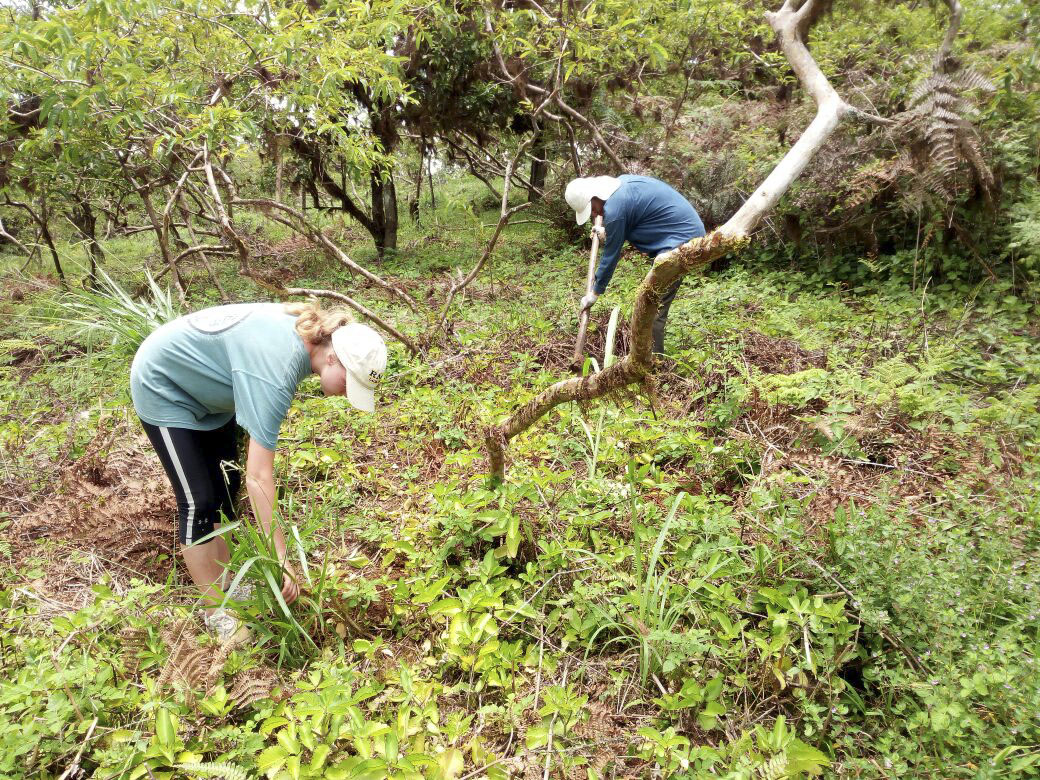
223, 217
8, 237
291, 218
506, 213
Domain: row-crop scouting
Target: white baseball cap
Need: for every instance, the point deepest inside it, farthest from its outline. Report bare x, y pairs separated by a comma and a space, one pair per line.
362, 352
580, 192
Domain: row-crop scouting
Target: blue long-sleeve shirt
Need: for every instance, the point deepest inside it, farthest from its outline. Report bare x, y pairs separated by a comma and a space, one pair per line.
648, 214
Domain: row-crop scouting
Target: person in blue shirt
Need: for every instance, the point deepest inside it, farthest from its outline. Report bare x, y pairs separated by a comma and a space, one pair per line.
644, 211
197, 378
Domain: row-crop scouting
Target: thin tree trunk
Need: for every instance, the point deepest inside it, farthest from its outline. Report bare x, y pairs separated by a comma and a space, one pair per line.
539, 168
40, 218
279, 165
429, 174
164, 244
224, 213
48, 239
384, 212
202, 255
85, 221
413, 204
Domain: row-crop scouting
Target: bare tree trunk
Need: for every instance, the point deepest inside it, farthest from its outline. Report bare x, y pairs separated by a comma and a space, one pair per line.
41, 219
164, 244
943, 55
429, 174
791, 24
202, 256
85, 221
279, 166
384, 212
413, 204
48, 239
224, 214
539, 168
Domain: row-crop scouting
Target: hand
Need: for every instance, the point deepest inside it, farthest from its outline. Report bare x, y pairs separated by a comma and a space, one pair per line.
600, 231
588, 300
290, 586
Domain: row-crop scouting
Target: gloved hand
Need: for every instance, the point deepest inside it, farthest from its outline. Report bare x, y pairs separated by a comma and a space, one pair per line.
587, 301
599, 229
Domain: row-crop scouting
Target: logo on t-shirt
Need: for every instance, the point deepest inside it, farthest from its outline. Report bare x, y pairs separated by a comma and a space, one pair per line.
219, 318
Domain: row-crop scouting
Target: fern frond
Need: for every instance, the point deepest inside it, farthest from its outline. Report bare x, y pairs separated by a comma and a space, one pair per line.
940, 116
968, 79
226, 771
251, 687
774, 769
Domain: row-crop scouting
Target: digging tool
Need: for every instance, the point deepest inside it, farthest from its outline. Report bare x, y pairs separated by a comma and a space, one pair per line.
583, 319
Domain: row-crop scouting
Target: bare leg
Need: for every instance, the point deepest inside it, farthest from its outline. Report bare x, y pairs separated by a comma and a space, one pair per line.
207, 564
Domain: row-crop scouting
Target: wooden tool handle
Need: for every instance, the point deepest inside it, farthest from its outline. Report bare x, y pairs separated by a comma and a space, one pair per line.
583, 318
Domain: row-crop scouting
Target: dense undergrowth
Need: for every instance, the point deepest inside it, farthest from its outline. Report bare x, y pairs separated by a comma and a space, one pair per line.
808, 547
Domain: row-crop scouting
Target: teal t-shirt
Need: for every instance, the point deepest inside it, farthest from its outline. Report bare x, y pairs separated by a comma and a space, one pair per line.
243, 360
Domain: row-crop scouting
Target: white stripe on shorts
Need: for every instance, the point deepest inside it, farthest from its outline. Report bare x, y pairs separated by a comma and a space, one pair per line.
189, 526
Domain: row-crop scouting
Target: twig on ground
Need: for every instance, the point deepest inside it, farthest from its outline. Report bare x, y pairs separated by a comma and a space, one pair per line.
552, 723
74, 769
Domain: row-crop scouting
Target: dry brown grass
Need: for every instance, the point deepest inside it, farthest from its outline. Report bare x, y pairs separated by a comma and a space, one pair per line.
114, 502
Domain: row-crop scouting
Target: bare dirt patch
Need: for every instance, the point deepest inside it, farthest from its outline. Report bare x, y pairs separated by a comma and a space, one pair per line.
556, 350
777, 355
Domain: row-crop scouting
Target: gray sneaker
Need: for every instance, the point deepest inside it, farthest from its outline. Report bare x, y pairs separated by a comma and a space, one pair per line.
226, 627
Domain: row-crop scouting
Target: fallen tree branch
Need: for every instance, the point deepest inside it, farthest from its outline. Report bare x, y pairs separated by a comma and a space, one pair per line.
791, 24
299, 223
216, 249
359, 308
8, 237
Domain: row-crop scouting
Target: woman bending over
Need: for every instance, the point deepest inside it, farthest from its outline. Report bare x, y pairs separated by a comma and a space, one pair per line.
195, 379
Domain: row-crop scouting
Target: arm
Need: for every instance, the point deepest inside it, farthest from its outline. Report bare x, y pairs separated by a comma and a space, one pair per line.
260, 488
609, 254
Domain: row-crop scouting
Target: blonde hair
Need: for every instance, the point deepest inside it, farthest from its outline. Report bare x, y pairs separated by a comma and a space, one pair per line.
315, 324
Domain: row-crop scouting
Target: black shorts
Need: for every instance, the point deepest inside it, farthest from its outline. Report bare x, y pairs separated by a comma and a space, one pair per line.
202, 468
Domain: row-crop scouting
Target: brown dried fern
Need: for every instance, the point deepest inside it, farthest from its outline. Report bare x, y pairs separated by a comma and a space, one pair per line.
252, 686
190, 664
868, 182
131, 640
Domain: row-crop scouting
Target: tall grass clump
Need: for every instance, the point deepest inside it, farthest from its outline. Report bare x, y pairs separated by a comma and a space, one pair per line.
111, 316
289, 631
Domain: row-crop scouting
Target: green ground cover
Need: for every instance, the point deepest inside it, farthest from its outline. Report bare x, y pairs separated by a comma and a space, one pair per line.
807, 548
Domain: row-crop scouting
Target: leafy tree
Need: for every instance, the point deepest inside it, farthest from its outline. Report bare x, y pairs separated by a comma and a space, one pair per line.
131, 93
